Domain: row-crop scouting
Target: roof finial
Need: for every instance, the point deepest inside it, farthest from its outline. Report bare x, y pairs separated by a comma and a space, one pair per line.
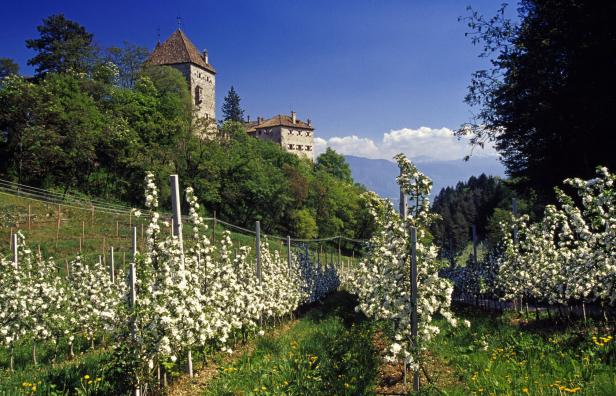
158, 35
179, 19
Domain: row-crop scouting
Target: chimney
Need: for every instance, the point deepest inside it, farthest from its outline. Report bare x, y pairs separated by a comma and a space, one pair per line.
205, 57
294, 117
259, 120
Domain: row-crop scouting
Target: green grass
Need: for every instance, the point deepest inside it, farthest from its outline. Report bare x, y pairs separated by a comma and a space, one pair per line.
500, 356
98, 231
329, 351
64, 377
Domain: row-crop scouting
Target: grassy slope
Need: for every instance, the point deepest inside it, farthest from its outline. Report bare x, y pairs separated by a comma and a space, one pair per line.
328, 352
499, 355
101, 230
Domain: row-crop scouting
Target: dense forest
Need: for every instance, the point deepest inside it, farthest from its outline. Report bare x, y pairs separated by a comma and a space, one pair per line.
94, 121
481, 201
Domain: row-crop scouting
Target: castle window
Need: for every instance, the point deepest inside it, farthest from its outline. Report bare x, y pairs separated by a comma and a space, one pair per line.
307, 133
198, 95
290, 147
308, 148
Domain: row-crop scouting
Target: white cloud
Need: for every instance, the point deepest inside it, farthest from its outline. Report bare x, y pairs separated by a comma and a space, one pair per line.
422, 143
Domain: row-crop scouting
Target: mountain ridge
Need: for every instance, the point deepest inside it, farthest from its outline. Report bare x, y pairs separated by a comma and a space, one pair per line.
379, 175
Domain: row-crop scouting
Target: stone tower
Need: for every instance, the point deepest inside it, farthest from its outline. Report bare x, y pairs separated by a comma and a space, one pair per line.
180, 53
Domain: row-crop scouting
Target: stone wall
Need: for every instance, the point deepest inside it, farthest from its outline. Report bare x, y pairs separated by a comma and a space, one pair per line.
198, 77
207, 81
298, 141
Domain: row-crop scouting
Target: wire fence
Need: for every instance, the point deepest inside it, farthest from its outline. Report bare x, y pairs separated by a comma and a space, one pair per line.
66, 225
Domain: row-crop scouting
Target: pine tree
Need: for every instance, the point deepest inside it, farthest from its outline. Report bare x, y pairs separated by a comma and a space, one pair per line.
64, 45
231, 109
8, 67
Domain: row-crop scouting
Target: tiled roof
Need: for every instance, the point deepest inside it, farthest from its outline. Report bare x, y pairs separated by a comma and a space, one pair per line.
178, 49
279, 120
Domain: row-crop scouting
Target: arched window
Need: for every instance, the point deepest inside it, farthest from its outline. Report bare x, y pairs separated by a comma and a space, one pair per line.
198, 95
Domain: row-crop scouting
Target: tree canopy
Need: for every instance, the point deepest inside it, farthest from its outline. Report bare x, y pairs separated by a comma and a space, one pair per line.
63, 46
129, 59
8, 67
231, 109
468, 203
334, 164
99, 132
548, 98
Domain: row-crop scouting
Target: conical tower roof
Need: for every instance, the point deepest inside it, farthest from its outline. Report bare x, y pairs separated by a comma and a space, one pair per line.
178, 49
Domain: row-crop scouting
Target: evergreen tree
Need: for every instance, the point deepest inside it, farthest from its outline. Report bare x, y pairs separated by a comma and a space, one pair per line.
231, 108
472, 202
63, 45
548, 99
8, 67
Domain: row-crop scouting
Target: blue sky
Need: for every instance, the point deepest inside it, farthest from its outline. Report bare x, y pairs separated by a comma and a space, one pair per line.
367, 73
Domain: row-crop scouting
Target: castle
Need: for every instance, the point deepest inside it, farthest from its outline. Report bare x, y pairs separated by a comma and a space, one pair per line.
293, 135
179, 52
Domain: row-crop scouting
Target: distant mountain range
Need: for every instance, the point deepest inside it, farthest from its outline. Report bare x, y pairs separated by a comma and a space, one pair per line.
379, 175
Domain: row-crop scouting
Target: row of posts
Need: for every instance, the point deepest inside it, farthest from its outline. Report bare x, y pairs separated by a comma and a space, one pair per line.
177, 232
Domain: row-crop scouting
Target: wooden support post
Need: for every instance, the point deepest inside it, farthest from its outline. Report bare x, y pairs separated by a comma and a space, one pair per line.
80, 242
68, 269
117, 229
83, 230
414, 301
190, 364
134, 244
403, 203
15, 246
339, 252
214, 229
111, 265
177, 215
133, 294
289, 254
474, 231
258, 253
58, 227
177, 232
514, 211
